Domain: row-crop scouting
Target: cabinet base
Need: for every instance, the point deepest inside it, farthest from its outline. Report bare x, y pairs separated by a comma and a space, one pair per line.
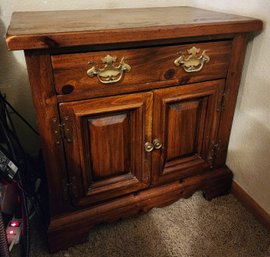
73, 228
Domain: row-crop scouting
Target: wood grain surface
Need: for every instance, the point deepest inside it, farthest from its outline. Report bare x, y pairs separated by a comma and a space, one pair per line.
62, 230
148, 65
54, 29
186, 134
41, 81
107, 157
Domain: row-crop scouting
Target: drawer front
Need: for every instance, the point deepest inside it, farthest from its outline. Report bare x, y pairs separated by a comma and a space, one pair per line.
90, 74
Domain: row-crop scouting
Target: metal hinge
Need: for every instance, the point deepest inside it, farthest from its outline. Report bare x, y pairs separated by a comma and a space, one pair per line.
221, 102
212, 154
62, 131
70, 188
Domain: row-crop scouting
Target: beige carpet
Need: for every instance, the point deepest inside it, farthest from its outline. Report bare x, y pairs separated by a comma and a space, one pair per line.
192, 227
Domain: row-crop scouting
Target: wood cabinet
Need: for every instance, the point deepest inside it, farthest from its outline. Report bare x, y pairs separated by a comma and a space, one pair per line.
132, 115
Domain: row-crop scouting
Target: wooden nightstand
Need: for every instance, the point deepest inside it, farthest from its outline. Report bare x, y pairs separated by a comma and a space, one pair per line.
134, 107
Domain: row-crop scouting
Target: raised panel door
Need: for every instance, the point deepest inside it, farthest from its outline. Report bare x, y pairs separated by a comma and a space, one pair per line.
105, 156
186, 121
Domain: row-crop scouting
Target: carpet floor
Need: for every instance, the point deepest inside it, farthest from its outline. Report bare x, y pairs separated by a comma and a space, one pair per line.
190, 227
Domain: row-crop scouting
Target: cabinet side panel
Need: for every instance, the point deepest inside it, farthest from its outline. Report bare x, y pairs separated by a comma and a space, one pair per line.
41, 81
231, 91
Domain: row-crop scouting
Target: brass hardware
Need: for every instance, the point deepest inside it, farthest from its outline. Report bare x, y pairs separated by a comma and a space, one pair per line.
194, 61
148, 147
157, 144
221, 102
66, 129
212, 154
56, 130
110, 73
70, 187
62, 131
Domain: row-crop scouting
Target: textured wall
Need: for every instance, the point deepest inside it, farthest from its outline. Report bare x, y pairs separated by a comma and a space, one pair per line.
249, 149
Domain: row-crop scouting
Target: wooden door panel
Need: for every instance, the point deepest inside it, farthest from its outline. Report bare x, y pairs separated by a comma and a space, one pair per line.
185, 117
109, 135
186, 121
106, 153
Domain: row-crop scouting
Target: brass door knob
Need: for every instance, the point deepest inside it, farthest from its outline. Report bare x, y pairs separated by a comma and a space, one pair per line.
157, 144
148, 147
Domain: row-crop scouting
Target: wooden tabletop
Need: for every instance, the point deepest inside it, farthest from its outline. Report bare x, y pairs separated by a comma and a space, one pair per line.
50, 29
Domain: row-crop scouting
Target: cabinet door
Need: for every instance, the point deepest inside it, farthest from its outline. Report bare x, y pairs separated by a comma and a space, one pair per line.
185, 121
105, 154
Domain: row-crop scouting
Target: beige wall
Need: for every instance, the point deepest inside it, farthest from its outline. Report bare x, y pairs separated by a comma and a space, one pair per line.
249, 150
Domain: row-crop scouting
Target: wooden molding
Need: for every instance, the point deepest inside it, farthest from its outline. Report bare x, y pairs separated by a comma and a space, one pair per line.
75, 28
251, 205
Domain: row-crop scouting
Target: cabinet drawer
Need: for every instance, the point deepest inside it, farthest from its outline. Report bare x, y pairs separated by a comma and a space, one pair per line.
141, 69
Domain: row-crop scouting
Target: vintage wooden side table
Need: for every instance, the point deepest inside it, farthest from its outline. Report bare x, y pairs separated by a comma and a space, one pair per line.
134, 107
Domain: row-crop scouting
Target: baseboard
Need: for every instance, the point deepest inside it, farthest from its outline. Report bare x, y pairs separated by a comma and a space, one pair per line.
251, 205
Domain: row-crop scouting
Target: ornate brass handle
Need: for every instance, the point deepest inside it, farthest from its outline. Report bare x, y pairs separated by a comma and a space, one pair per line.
148, 147
194, 61
157, 144
111, 72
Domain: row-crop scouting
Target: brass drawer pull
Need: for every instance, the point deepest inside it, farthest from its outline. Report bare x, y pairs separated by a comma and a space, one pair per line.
111, 72
194, 61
